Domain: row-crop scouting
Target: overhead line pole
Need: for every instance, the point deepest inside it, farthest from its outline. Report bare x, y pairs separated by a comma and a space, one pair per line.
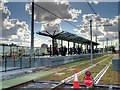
32, 28
119, 27
91, 55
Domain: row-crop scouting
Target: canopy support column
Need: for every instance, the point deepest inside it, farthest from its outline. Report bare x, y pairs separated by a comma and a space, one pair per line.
78, 49
96, 41
53, 45
68, 47
74, 47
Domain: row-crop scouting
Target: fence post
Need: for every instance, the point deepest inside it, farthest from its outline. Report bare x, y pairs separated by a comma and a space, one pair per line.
10, 50
20, 62
50, 51
14, 57
5, 64
3, 54
30, 61
34, 59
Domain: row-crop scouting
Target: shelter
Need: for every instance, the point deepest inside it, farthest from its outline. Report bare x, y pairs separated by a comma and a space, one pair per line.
67, 36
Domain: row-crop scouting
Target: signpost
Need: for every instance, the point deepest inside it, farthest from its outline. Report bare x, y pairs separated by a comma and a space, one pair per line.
88, 81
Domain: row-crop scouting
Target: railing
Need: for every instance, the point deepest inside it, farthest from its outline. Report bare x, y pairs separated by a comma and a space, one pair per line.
18, 57
14, 59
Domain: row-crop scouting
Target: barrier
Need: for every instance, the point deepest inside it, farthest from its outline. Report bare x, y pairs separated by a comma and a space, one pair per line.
54, 61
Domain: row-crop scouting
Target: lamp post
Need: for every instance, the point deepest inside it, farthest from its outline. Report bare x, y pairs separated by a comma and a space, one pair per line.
103, 47
119, 42
91, 55
107, 45
32, 28
119, 28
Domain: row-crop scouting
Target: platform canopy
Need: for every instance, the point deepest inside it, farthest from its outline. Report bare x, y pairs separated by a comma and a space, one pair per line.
67, 36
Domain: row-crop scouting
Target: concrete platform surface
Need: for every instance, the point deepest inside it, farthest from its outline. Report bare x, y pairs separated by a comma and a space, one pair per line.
16, 81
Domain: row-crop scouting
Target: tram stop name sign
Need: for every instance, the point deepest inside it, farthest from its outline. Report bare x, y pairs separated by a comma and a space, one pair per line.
88, 81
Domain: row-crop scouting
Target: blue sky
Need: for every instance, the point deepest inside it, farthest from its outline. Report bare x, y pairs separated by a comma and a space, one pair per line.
104, 9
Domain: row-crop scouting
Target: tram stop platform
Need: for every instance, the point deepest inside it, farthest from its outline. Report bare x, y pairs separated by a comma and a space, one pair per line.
10, 79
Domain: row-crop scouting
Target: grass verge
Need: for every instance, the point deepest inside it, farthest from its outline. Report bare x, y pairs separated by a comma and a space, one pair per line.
111, 77
70, 71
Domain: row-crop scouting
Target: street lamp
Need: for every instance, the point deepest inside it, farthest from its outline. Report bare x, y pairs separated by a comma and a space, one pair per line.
91, 55
32, 28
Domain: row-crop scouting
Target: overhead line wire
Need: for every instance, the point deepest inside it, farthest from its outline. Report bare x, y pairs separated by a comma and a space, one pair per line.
56, 15
91, 7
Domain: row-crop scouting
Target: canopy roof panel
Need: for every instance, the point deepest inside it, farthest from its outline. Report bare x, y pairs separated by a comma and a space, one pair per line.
67, 36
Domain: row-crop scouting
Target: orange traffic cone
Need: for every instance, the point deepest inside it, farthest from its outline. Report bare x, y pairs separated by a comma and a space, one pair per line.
76, 83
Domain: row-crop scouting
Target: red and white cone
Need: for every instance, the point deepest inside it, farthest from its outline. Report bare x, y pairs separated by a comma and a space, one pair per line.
76, 83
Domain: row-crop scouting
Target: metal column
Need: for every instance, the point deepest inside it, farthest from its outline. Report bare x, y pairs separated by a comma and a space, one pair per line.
68, 47
96, 41
119, 27
74, 47
53, 40
119, 43
103, 47
87, 49
107, 45
3, 51
78, 49
91, 55
32, 29
61, 43
50, 51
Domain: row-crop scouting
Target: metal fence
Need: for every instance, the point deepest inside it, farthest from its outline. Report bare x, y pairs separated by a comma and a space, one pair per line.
14, 57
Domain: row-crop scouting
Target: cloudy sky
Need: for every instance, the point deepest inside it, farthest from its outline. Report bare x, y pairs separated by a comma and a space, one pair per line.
16, 20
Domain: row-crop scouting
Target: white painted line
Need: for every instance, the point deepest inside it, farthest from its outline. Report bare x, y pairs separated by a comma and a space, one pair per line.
68, 79
101, 73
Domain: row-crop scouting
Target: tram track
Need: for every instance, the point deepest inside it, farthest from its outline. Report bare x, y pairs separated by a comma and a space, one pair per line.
68, 79
96, 79
62, 83
101, 73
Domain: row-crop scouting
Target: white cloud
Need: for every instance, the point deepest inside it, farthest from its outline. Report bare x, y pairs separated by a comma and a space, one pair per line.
115, 24
13, 30
88, 17
99, 22
50, 22
74, 13
101, 30
104, 21
97, 32
4, 10
51, 28
109, 36
58, 7
94, 1
85, 27
13, 27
